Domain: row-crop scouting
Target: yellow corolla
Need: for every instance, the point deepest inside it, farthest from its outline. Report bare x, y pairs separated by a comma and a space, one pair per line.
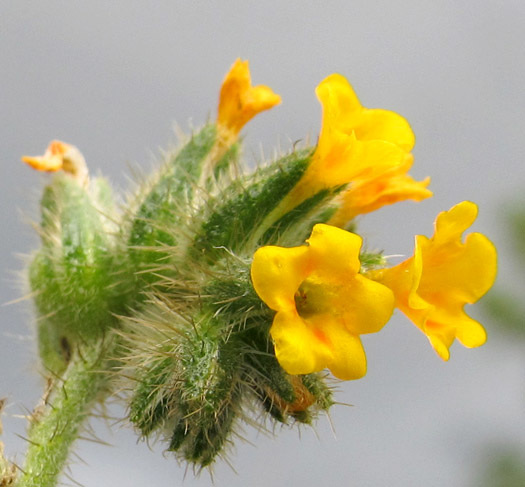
433, 286
369, 194
60, 156
322, 302
357, 146
239, 101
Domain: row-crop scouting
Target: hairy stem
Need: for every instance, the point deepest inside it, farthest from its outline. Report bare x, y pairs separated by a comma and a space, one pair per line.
56, 426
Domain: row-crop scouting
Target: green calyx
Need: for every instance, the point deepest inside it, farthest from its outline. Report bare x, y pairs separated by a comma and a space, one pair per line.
78, 275
207, 364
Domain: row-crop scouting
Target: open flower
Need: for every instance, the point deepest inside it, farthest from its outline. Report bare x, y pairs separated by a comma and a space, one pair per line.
60, 156
365, 148
322, 302
239, 101
433, 286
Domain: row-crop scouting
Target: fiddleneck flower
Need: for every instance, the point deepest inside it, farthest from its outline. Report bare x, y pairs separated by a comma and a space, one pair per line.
322, 302
433, 286
358, 146
60, 156
239, 101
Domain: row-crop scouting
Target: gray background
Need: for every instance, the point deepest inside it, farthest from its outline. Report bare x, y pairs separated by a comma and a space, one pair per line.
114, 77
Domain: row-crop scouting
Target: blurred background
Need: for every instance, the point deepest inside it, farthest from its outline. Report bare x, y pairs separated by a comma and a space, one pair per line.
113, 78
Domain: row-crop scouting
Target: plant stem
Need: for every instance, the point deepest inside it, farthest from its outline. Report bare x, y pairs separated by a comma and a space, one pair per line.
55, 428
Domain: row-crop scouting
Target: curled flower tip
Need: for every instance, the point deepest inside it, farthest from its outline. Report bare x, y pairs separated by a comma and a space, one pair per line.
60, 156
444, 274
322, 302
239, 101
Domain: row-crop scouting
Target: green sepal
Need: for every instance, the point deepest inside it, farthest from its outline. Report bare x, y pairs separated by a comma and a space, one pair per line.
261, 364
296, 225
208, 392
234, 301
159, 216
191, 391
75, 276
150, 404
209, 368
372, 260
211, 364
317, 386
229, 161
234, 217
272, 386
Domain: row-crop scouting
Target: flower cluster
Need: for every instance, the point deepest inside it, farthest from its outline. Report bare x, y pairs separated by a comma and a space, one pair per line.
219, 289
367, 151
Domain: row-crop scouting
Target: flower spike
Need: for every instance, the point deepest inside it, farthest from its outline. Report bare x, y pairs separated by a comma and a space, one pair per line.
239, 101
202, 294
433, 286
323, 304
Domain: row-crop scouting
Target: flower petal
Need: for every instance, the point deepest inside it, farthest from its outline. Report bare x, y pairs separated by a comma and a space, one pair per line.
457, 272
335, 251
470, 333
347, 356
298, 348
41, 163
369, 194
451, 224
341, 108
323, 304
277, 273
366, 307
306, 346
53, 158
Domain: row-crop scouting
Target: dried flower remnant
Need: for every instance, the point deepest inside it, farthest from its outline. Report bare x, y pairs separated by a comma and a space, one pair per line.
60, 156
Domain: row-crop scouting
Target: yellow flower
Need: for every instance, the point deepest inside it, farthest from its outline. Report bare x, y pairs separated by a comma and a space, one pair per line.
369, 194
60, 156
322, 302
433, 286
359, 146
239, 101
